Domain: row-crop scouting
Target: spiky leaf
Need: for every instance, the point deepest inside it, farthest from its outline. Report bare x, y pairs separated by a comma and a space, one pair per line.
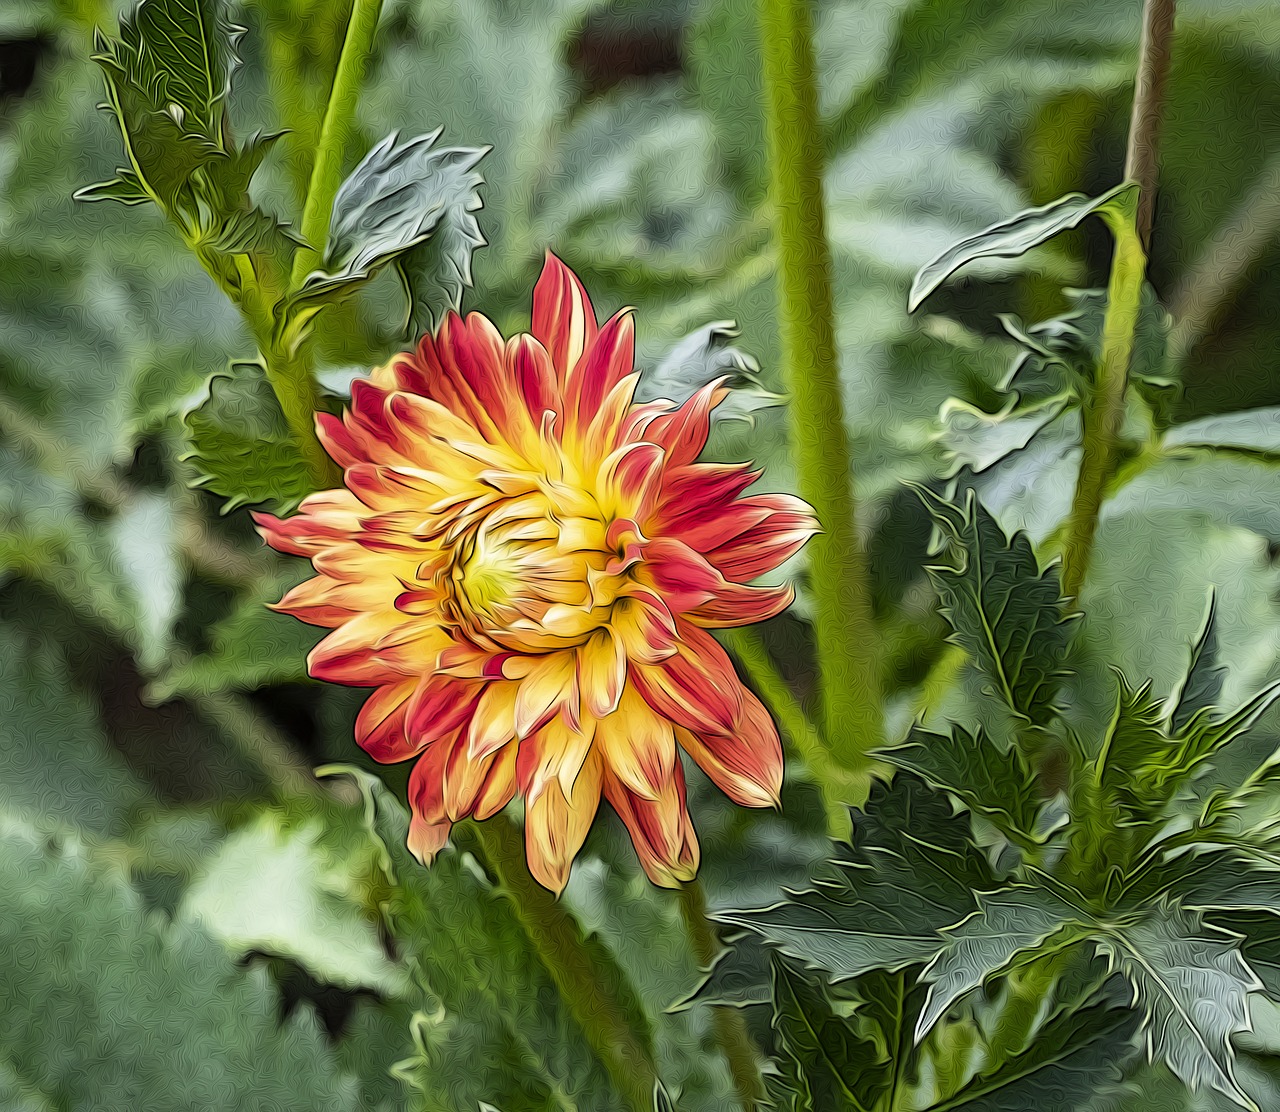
910, 871
1011, 924
1005, 610
1202, 686
996, 783
409, 203
1192, 984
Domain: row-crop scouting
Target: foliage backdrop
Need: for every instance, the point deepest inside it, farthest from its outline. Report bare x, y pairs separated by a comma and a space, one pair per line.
179, 885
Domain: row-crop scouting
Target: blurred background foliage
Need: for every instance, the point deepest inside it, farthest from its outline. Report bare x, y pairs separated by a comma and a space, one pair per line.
206, 898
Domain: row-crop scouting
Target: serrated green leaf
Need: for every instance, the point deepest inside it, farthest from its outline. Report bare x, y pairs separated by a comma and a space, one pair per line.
831, 1059
1067, 1062
1202, 686
707, 354
241, 447
186, 49
101, 999
1015, 236
1005, 610
275, 888
994, 782
1009, 925
1193, 984
412, 204
910, 871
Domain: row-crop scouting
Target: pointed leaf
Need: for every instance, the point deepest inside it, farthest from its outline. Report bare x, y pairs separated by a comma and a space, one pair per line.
996, 783
1202, 686
1016, 236
1254, 432
1004, 609
240, 445
412, 204
1010, 923
910, 871
825, 1047
1192, 983
125, 188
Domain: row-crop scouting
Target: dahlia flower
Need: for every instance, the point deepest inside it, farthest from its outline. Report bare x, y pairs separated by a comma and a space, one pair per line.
524, 565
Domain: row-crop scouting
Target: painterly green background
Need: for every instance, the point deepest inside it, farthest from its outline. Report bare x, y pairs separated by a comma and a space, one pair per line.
188, 919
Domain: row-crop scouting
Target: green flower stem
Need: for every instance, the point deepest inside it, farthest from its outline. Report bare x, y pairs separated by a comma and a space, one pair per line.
593, 989
838, 785
288, 373
335, 133
731, 1031
1103, 409
846, 638
1129, 219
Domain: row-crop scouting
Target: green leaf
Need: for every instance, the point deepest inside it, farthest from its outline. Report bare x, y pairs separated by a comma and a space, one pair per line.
126, 188
241, 447
1067, 1062
1193, 985
830, 1058
187, 50
1015, 237
910, 871
494, 1026
276, 887
701, 357
103, 1002
1255, 432
1010, 926
1202, 686
1135, 740
1004, 609
412, 204
996, 783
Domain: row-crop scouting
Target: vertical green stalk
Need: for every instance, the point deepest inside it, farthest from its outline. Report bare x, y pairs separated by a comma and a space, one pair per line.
1130, 224
1103, 410
335, 133
846, 638
289, 371
731, 1031
594, 990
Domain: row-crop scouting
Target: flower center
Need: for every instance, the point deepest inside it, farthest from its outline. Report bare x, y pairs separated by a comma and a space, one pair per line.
531, 577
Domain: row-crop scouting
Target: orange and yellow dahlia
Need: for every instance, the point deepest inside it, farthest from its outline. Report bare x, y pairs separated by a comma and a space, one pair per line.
524, 565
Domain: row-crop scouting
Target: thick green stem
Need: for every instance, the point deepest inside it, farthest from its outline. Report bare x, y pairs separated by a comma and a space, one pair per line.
592, 989
335, 133
846, 638
731, 1031
1130, 223
1103, 410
